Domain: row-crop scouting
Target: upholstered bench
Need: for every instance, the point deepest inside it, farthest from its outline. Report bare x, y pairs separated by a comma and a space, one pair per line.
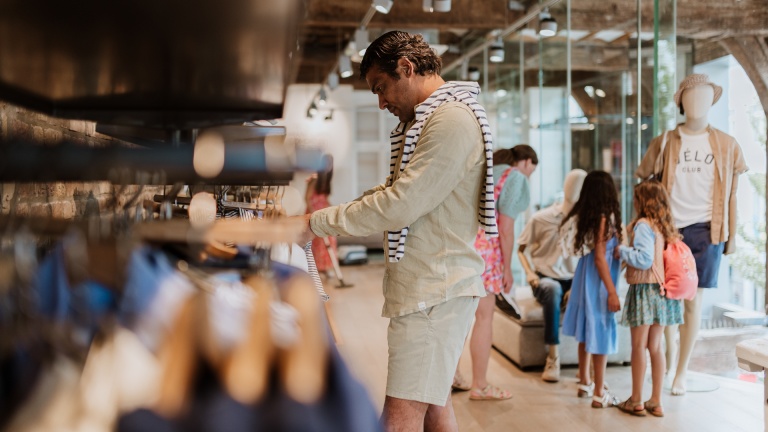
521, 339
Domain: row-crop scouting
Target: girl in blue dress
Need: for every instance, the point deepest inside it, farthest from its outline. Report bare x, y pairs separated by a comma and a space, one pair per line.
593, 230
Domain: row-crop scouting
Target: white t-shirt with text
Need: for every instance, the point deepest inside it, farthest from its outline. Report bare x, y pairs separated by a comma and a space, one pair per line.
691, 197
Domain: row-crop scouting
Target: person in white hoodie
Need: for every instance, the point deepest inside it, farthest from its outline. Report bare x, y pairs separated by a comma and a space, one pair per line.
548, 271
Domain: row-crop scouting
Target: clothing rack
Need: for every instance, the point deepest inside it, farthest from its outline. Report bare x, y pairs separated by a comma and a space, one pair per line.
245, 163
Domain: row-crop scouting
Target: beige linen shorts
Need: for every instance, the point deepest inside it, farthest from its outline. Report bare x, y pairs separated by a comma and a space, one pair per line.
424, 350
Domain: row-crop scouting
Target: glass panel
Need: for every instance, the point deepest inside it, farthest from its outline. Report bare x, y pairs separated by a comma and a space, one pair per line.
665, 65
740, 114
612, 119
548, 110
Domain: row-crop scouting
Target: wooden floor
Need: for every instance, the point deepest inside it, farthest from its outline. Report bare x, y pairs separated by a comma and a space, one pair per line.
360, 331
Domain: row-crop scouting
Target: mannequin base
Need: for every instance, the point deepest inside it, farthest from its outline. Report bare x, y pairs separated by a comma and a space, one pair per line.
694, 383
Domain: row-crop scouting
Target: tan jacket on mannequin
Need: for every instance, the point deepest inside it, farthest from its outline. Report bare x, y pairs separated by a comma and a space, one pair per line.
729, 164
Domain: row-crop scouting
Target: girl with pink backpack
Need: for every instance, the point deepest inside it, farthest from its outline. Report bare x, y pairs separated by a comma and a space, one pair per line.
648, 308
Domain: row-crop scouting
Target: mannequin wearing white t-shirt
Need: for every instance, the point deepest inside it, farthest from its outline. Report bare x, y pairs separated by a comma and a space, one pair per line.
696, 102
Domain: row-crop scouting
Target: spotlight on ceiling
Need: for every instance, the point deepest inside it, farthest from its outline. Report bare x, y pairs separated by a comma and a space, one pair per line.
312, 110
516, 5
333, 80
382, 6
473, 73
441, 5
436, 5
345, 66
322, 98
547, 24
496, 53
361, 40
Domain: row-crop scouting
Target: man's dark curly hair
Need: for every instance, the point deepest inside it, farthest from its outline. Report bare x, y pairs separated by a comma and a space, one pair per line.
390, 47
598, 199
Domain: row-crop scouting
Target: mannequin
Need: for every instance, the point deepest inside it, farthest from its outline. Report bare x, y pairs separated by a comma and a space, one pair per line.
548, 272
699, 167
696, 103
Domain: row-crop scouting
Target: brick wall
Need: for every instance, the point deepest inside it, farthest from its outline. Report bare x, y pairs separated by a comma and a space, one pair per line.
59, 200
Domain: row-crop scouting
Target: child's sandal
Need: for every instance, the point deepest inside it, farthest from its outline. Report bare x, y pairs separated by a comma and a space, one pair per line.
587, 390
607, 400
631, 407
654, 409
489, 393
459, 383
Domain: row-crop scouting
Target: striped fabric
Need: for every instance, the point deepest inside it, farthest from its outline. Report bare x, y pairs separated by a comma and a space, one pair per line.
460, 91
313, 273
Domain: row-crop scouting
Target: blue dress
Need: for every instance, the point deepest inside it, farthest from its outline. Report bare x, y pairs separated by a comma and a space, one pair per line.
587, 317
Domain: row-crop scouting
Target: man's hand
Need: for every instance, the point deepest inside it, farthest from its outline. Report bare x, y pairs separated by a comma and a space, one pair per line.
533, 280
307, 235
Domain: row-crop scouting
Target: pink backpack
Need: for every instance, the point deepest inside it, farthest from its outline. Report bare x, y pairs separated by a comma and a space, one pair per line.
681, 280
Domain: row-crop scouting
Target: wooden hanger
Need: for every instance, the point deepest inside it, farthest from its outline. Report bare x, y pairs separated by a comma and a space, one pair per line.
247, 371
235, 231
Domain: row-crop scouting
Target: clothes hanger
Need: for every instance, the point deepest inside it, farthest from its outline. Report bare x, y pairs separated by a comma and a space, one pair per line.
236, 231
246, 372
237, 204
302, 367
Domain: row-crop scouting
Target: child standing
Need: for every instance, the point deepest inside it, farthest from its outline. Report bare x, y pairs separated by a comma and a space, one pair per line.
593, 233
646, 311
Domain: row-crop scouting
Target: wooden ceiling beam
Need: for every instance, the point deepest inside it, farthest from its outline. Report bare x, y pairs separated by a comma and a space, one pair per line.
408, 14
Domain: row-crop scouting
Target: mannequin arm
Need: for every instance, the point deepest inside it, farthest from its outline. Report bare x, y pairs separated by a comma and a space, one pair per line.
530, 273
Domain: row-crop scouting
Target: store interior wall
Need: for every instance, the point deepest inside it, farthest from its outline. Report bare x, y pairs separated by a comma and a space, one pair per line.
527, 101
58, 200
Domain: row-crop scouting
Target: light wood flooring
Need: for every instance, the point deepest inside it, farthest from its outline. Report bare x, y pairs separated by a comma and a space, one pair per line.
360, 331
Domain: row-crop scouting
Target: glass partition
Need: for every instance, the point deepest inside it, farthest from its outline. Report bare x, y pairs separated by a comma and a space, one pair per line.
594, 95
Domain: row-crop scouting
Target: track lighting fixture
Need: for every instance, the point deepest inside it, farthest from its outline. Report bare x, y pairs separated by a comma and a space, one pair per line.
441, 5
322, 98
547, 24
312, 110
382, 6
345, 66
496, 53
361, 40
333, 80
474, 73
436, 5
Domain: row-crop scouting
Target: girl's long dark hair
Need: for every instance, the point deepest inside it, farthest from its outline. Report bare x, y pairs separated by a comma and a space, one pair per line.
598, 199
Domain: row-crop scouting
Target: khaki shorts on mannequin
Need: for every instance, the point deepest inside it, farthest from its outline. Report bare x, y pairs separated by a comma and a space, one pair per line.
424, 350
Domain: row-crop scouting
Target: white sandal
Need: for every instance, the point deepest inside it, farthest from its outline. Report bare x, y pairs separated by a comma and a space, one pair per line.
587, 390
607, 400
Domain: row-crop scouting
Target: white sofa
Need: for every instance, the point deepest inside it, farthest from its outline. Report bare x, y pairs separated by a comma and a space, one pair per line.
522, 339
